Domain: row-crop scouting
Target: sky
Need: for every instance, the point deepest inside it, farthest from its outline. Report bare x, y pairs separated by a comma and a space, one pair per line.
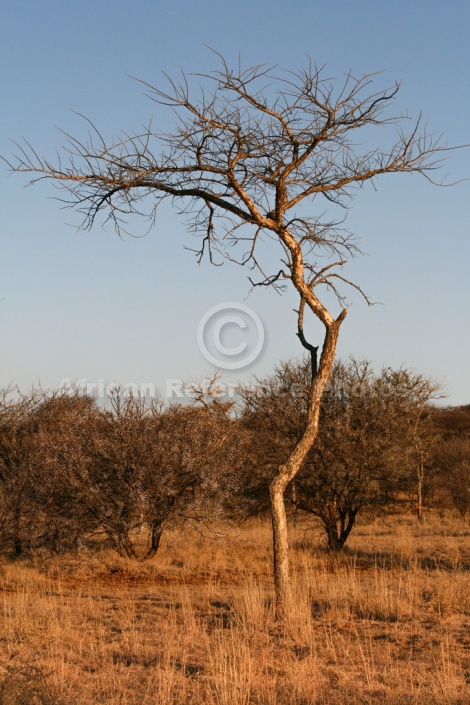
89, 310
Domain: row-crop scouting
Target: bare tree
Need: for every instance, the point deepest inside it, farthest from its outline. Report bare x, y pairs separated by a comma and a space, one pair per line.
451, 456
39, 507
71, 470
353, 464
140, 468
16, 451
252, 147
364, 453
416, 394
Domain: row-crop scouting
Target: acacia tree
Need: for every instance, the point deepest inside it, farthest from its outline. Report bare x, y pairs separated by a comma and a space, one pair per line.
361, 455
416, 394
38, 505
252, 147
138, 468
453, 458
353, 465
16, 450
452, 455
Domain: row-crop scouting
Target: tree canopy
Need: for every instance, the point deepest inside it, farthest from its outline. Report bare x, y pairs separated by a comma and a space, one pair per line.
257, 156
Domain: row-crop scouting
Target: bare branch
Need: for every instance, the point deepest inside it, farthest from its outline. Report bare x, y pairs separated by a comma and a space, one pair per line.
254, 149
313, 350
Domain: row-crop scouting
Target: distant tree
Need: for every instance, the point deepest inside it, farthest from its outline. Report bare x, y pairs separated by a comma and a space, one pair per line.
453, 458
451, 455
365, 449
62, 521
415, 394
71, 470
452, 421
15, 456
356, 461
253, 148
141, 469
38, 505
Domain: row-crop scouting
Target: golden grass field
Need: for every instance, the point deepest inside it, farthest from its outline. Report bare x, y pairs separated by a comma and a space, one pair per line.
387, 622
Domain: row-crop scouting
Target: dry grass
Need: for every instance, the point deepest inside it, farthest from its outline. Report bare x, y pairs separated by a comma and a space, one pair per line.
388, 622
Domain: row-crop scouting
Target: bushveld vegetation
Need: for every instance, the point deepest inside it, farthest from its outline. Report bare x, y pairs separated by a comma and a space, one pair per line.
252, 149
258, 158
74, 473
137, 560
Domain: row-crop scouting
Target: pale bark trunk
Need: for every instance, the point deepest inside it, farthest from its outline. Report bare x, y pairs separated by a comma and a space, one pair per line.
290, 468
419, 472
419, 502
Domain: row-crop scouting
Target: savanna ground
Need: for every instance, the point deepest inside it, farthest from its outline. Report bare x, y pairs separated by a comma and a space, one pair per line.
386, 622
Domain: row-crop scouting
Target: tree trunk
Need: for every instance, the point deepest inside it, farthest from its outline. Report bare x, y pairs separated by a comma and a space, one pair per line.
17, 540
18, 546
338, 535
293, 497
334, 540
420, 477
287, 472
155, 537
419, 499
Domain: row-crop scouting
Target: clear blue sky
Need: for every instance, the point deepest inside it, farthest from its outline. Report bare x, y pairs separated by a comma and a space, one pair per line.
86, 305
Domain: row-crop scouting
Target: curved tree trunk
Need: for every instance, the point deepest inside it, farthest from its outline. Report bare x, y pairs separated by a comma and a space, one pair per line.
156, 531
290, 468
338, 530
